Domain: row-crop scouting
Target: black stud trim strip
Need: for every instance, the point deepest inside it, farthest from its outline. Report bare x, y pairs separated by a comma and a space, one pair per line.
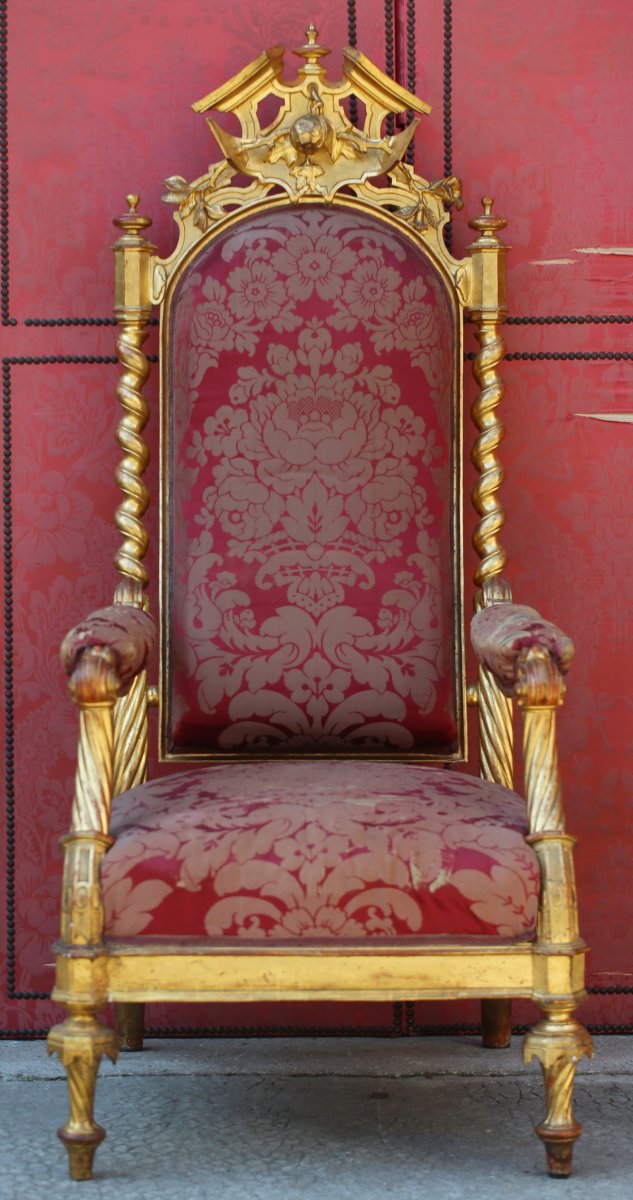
448, 104
7, 520
4, 172
48, 321
564, 319
411, 75
566, 356
617, 319
390, 56
352, 35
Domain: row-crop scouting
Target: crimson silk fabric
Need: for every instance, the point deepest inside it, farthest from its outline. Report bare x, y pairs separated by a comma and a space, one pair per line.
321, 850
310, 542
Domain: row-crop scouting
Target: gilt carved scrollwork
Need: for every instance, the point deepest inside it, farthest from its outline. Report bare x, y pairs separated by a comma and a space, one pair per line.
312, 150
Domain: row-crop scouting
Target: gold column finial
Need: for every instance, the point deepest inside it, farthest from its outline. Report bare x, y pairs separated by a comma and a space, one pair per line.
131, 222
311, 52
488, 226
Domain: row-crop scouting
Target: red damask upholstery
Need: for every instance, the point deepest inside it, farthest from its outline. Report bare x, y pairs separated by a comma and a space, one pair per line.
126, 630
320, 850
311, 548
499, 634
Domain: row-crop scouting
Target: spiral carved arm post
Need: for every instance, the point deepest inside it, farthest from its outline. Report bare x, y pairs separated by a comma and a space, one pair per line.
488, 311
130, 712
484, 452
496, 738
134, 257
558, 1041
133, 261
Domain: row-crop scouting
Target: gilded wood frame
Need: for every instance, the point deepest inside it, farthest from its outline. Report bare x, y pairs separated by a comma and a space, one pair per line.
178, 269
296, 159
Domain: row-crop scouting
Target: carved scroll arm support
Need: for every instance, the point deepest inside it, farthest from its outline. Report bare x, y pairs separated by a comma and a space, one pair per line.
528, 656
102, 655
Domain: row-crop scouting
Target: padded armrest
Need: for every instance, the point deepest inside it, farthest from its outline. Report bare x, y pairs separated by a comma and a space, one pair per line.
126, 630
500, 632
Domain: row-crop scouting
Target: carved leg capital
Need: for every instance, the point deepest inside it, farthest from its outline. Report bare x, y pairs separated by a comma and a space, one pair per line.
80, 1042
558, 1042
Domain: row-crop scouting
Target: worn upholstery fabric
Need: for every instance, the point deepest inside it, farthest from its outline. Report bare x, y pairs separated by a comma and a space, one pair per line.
499, 634
310, 544
126, 630
319, 849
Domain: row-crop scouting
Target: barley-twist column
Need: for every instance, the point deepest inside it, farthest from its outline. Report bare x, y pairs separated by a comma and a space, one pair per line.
130, 712
484, 452
496, 737
133, 263
133, 260
488, 311
135, 459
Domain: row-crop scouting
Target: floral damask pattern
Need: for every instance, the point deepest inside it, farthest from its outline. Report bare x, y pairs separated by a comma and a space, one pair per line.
310, 541
320, 850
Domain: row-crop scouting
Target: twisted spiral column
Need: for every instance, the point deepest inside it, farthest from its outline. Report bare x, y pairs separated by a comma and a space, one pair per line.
94, 687
540, 690
129, 514
496, 734
484, 452
542, 777
134, 258
496, 760
130, 737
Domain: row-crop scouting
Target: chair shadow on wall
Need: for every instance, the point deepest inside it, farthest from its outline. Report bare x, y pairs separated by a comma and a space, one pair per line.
312, 681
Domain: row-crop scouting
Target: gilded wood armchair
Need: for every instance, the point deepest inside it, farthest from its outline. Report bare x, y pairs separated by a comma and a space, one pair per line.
311, 625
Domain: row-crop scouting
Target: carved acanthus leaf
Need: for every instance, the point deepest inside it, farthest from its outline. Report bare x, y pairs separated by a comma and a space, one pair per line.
430, 200
199, 202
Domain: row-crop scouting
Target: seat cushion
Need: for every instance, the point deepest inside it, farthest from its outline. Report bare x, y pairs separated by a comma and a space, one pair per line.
320, 850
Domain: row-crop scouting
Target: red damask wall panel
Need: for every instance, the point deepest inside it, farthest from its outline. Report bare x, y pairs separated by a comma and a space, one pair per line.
532, 105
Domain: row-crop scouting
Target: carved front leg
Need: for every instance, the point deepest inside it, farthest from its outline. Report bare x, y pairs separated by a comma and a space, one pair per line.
558, 1042
81, 1041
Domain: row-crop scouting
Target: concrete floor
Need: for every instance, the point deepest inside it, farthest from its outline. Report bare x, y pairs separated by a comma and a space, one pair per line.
316, 1119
